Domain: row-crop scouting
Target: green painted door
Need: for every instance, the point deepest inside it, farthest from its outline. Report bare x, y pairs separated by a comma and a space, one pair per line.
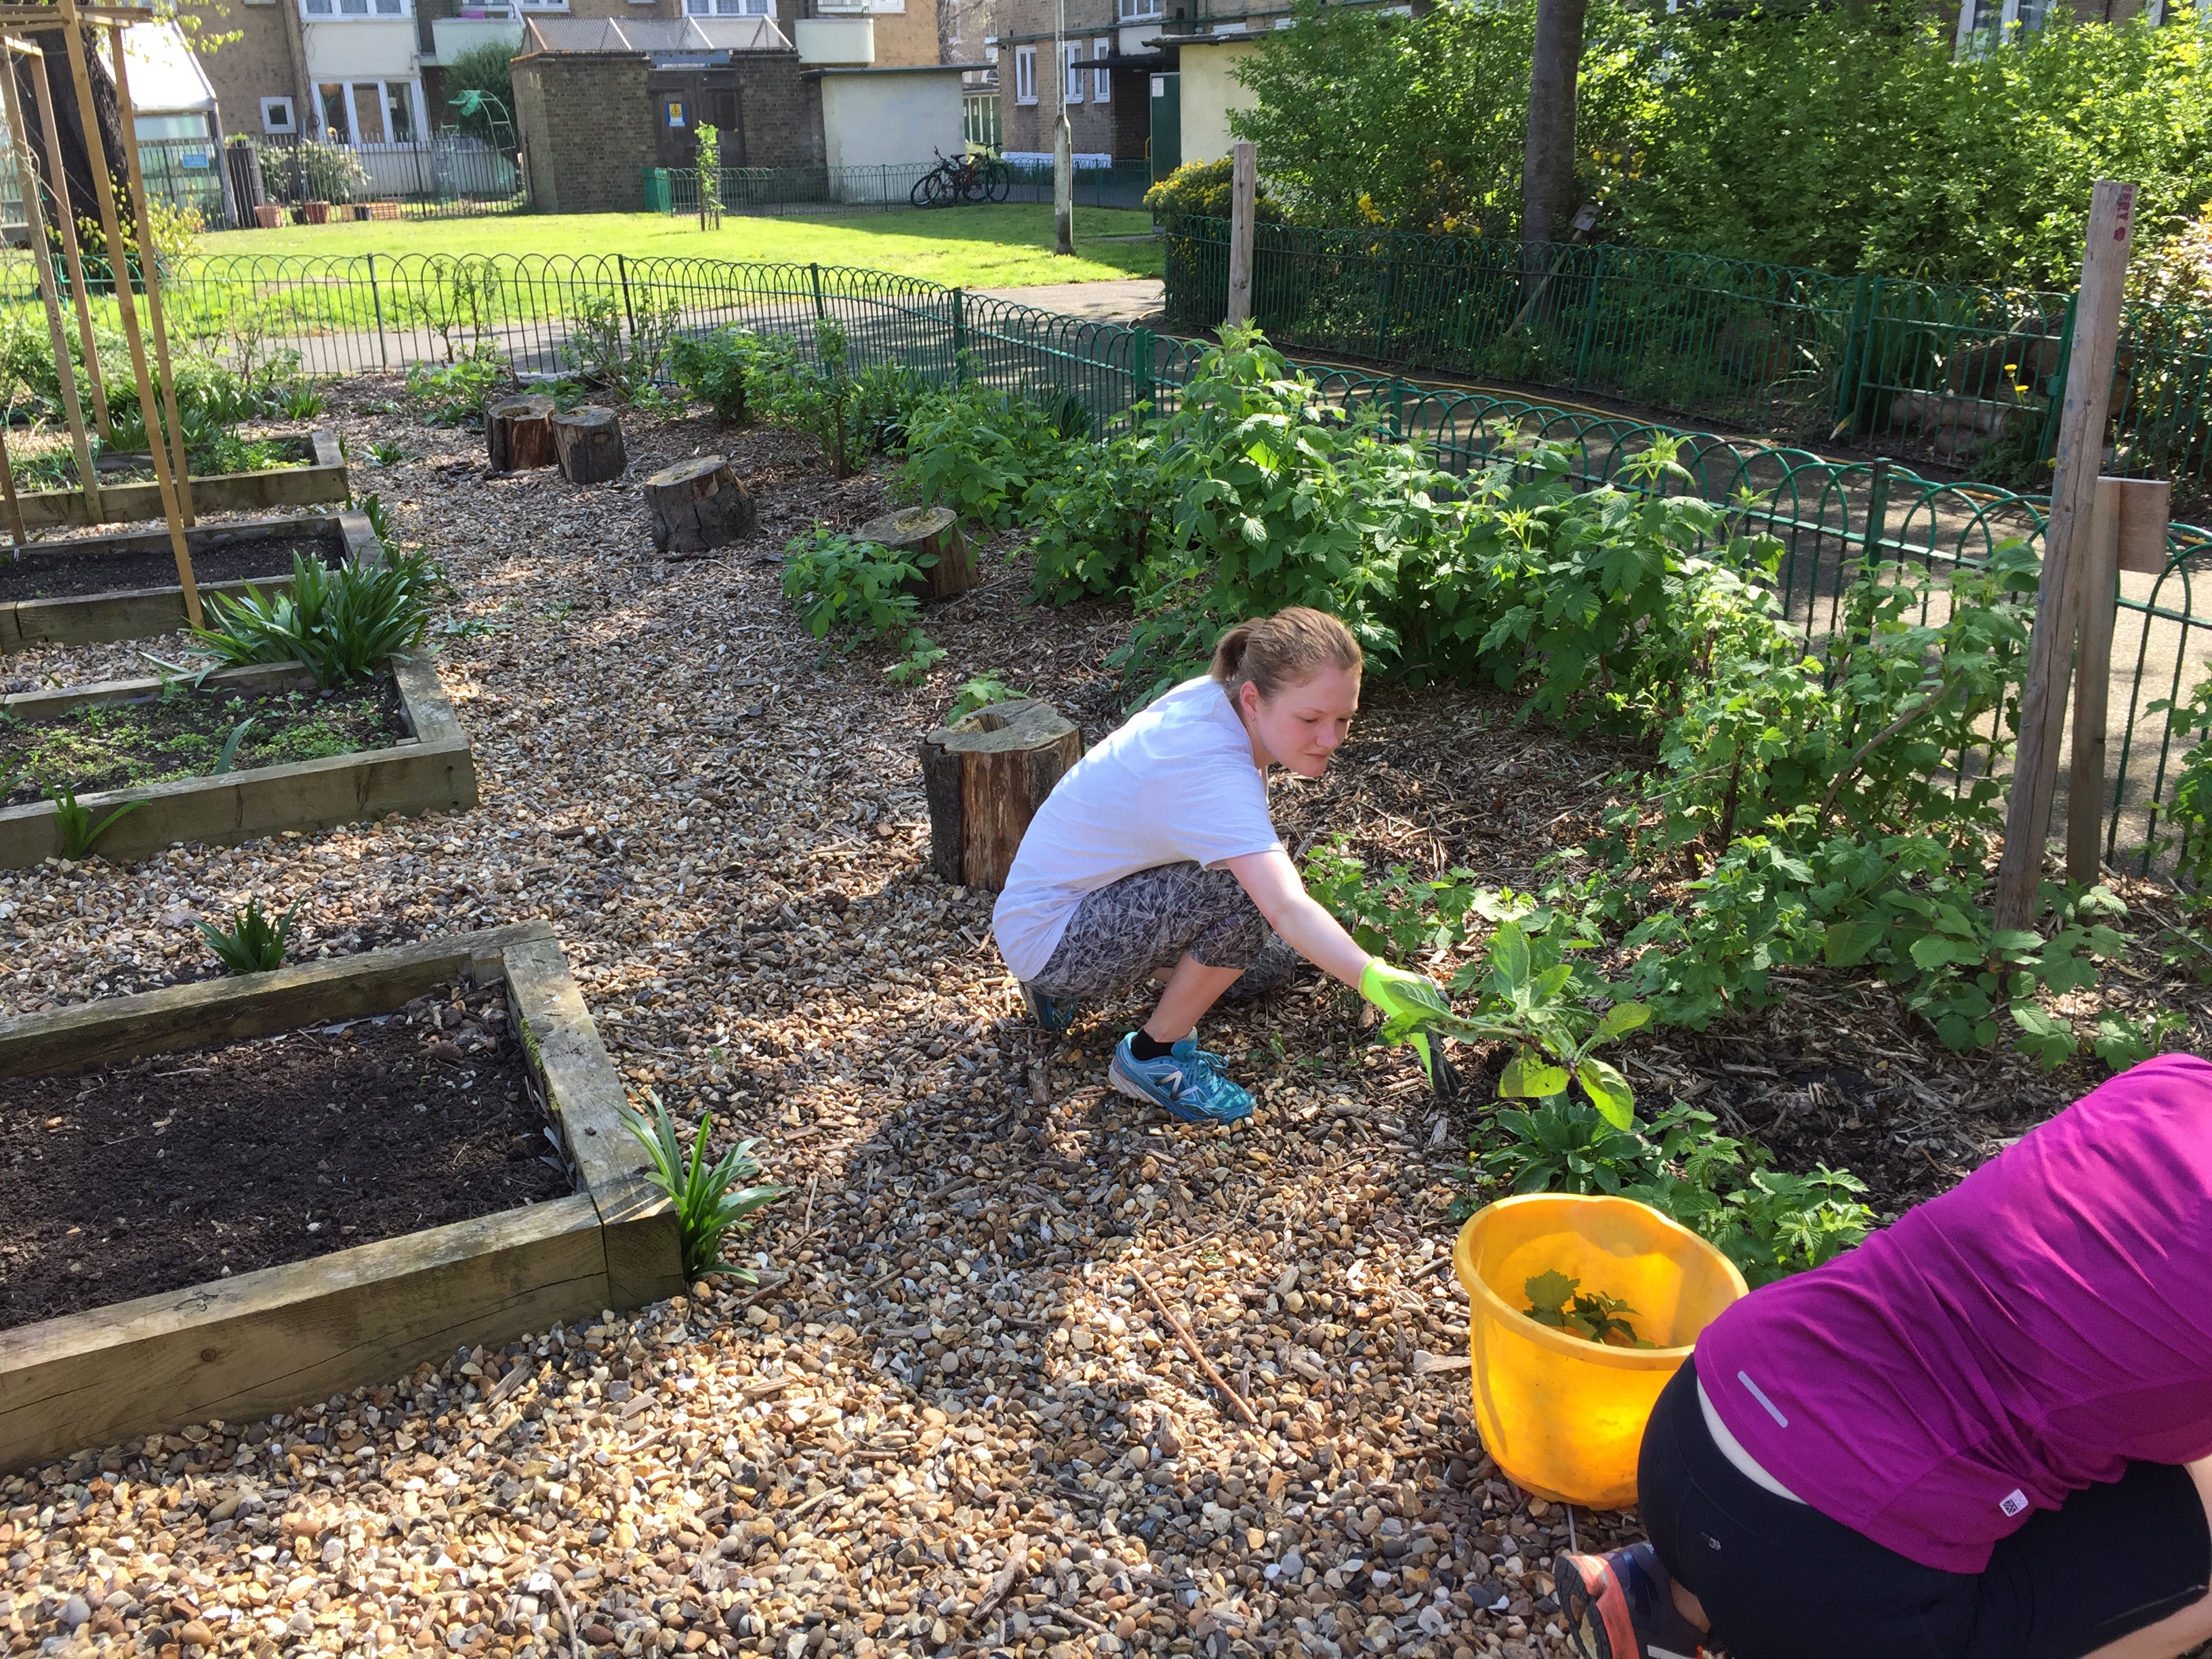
1167, 126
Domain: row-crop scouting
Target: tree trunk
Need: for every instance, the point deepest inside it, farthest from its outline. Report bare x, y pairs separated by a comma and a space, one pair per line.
916, 530
83, 202
519, 431
1547, 167
698, 506
591, 446
985, 779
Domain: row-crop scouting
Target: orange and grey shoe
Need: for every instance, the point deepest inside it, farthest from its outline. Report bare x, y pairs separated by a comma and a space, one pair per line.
1621, 1606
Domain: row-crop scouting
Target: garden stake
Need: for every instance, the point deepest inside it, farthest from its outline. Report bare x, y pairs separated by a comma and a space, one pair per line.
149, 274
1190, 1346
120, 264
72, 255
14, 506
34, 229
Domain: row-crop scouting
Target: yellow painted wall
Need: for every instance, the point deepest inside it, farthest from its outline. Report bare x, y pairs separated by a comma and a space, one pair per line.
1210, 94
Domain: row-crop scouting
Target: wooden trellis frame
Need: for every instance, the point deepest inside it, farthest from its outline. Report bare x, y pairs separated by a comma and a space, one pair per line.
156, 380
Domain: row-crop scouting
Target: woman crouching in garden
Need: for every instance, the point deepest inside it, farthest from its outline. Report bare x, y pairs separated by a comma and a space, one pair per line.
1985, 1433
1155, 854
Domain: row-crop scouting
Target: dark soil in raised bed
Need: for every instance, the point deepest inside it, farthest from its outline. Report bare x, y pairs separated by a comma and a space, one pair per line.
147, 1176
60, 573
118, 745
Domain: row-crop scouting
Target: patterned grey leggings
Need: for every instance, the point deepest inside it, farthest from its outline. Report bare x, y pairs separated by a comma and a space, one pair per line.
1144, 922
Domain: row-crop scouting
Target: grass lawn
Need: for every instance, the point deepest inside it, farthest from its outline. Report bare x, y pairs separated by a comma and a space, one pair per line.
1007, 246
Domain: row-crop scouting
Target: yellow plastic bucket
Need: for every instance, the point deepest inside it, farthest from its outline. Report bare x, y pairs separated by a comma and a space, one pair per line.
1560, 1416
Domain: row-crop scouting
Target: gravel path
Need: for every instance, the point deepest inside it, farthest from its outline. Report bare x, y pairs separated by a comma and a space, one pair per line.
952, 1418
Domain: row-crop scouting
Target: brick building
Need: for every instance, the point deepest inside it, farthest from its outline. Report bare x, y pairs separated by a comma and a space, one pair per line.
367, 72
599, 100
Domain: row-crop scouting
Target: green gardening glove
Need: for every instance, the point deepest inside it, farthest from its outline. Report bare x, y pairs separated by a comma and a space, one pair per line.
1407, 1002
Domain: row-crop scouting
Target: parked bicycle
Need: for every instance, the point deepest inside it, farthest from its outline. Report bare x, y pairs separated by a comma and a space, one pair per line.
962, 179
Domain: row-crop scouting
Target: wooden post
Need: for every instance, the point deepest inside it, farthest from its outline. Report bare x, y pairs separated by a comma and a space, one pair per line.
2093, 679
43, 258
934, 529
112, 230
7, 472
1243, 197
149, 279
1063, 173
72, 255
2073, 499
985, 779
2127, 532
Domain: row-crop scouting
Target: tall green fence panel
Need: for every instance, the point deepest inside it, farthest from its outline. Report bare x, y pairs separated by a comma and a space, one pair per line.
1962, 378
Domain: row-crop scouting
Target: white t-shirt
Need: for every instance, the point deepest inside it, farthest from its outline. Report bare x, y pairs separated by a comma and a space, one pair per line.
1175, 783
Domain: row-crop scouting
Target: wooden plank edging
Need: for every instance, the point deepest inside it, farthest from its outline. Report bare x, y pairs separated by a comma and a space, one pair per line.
262, 1341
140, 613
322, 479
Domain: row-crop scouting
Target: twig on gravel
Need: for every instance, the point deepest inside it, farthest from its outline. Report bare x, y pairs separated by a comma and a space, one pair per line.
1191, 1347
1017, 1561
568, 1617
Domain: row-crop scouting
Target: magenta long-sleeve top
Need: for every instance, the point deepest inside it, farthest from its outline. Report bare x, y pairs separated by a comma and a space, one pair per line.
2024, 1336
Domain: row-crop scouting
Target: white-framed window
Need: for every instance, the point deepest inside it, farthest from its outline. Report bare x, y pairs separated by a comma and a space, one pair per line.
1025, 74
1070, 80
277, 116
729, 8
1986, 23
1101, 78
1140, 11
328, 10
545, 5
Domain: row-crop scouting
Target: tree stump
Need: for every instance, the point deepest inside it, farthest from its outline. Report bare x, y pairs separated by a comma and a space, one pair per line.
985, 777
927, 530
698, 506
591, 446
519, 431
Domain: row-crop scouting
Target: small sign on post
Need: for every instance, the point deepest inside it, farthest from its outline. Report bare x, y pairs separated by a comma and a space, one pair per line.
2072, 500
1243, 194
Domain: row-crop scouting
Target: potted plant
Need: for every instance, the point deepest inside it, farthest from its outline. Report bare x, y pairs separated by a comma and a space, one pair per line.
268, 215
311, 213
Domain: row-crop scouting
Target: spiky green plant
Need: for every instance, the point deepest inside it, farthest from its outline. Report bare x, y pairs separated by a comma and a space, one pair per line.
712, 1200
80, 835
252, 944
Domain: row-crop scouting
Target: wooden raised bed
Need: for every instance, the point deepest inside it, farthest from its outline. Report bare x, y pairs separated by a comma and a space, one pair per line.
322, 479
434, 768
139, 613
260, 1342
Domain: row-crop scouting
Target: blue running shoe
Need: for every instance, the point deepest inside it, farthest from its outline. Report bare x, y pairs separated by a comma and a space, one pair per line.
1052, 1013
1184, 1082
1621, 1606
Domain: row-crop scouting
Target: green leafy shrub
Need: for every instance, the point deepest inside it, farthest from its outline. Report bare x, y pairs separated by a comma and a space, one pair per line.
712, 1200
1203, 189
454, 394
862, 590
981, 451
982, 692
252, 944
713, 368
620, 348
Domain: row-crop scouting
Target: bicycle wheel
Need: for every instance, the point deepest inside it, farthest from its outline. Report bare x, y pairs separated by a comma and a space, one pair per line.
929, 188
972, 187
998, 181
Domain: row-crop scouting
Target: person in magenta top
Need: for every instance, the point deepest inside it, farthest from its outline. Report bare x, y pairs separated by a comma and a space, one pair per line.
1985, 1433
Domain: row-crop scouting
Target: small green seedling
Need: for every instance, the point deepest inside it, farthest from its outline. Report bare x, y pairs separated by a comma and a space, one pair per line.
252, 944
711, 1202
387, 454
79, 833
1553, 1301
981, 692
